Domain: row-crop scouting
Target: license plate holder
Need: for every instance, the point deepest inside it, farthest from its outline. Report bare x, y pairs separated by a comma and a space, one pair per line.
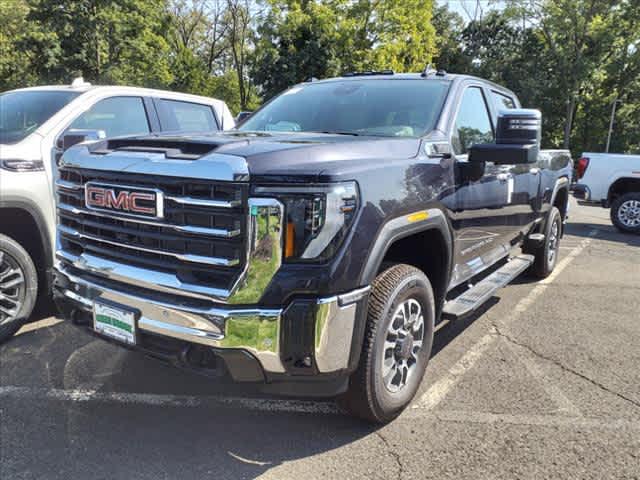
115, 321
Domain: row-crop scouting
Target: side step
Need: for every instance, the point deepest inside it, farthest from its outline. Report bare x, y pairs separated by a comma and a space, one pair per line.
477, 295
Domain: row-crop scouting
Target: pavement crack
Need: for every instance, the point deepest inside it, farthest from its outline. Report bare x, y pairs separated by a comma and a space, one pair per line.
497, 331
393, 453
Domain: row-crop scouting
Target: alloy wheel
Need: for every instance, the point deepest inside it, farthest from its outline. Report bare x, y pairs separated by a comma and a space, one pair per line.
629, 213
12, 288
403, 342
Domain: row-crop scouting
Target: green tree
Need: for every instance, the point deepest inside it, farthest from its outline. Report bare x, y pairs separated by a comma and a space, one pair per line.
107, 41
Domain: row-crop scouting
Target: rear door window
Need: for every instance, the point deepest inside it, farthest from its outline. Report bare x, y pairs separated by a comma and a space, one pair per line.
177, 116
116, 116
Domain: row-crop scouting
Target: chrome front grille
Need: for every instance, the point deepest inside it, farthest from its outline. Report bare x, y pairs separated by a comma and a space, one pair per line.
198, 249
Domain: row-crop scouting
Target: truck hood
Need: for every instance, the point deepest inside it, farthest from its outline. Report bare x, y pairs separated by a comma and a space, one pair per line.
300, 156
27, 149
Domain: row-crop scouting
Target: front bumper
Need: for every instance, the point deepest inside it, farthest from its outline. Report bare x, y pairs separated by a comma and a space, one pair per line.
306, 337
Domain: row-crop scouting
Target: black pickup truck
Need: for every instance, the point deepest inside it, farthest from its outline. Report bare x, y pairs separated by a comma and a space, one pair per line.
314, 248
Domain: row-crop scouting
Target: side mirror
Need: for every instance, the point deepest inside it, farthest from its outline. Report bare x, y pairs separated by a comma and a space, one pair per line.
517, 139
74, 136
242, 116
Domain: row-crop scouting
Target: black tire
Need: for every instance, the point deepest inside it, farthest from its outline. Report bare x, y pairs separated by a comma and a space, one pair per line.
546, 256
625, 212
18, 286
368, 396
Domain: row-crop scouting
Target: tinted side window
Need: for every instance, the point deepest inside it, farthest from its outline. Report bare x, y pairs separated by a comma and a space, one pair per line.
116, 116
502, 102
472, 123
187, 117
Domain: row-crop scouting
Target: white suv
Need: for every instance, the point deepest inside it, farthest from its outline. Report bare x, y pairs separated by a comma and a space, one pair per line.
36, 126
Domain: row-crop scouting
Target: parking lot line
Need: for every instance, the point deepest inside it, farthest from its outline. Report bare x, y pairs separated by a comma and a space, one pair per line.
439, 390
168, 400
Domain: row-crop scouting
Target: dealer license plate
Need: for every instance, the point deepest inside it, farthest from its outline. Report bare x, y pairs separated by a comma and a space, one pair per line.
114, 322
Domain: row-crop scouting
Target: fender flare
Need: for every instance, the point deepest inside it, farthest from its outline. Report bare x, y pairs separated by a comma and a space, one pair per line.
31, 209
562, 183
402, 227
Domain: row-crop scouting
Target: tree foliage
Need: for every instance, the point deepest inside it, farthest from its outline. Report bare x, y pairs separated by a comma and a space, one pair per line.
571, 58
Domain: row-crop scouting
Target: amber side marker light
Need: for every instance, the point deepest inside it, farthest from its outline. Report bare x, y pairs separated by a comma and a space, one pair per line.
418, 216
289, 240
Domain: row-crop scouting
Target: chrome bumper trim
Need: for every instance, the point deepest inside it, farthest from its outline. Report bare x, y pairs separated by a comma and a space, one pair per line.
252, 329
335, 323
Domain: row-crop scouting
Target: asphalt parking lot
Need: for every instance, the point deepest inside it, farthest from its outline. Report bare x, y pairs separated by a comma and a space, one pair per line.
543, 383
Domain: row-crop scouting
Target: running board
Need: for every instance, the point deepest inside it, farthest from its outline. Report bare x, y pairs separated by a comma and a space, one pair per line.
477, 295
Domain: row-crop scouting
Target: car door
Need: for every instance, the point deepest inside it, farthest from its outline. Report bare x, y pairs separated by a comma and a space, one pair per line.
479, 222
523, 180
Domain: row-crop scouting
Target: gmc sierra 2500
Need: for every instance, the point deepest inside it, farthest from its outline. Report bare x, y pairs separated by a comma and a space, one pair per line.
314, 248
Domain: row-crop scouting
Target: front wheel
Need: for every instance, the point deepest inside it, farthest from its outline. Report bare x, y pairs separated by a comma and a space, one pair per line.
397, 345
625, 212
18, 286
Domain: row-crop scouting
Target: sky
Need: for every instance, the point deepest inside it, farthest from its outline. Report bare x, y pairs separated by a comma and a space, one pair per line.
459, 6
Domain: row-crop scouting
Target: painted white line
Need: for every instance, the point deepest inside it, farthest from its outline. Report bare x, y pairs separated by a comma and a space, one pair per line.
563, 403
167, 400
47, 322
439, 390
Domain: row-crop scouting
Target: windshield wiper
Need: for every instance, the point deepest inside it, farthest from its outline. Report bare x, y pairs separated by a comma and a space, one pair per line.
336, 132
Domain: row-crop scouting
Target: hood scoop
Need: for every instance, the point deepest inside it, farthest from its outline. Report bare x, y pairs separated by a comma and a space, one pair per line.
171, 148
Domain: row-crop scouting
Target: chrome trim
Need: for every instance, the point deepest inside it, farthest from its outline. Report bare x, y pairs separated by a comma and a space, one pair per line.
254, 330
213, 166
203, 202
264, 250
214, 232
334, 327
214, 261
353, 296
158, 193
141, 277
63, 184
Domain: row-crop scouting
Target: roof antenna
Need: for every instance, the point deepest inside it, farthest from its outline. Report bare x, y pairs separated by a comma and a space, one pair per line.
428, 70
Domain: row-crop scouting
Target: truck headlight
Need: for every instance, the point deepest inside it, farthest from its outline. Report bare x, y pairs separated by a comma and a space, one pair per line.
317, 218
22, 165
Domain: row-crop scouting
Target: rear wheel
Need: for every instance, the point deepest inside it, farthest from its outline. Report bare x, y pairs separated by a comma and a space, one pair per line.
397, 345
625, 212
18, 286
546, 256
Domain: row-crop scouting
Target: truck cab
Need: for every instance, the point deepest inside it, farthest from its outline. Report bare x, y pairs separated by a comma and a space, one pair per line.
36, 126
313, 249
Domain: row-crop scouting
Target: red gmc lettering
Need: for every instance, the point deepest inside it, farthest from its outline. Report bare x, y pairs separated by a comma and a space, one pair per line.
126, 201
95, 196
133, 202
121, 202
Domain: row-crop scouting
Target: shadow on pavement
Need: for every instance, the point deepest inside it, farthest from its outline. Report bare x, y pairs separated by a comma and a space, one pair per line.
48, 437
604, 232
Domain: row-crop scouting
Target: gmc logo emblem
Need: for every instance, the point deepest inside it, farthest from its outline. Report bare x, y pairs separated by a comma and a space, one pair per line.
129, 200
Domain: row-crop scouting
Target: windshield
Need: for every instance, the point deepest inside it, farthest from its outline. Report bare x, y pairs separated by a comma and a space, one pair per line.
389, 108
23, 112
